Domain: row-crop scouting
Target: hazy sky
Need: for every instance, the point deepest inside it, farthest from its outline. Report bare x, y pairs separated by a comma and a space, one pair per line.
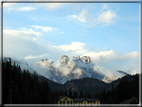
107, 32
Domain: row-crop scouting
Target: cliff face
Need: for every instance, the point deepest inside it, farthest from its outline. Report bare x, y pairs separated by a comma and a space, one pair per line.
64, 59
70, 68
86, 59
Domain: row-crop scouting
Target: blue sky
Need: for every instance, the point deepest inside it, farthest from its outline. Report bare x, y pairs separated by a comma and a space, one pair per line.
107, 32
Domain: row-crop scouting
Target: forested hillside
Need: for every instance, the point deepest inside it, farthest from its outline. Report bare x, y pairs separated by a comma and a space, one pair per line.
127, 88
22, 87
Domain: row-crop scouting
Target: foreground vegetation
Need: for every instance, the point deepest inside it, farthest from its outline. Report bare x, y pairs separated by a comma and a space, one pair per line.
126, 89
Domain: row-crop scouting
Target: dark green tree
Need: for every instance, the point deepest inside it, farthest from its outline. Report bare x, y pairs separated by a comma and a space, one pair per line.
70, 93
81, 94
75, 94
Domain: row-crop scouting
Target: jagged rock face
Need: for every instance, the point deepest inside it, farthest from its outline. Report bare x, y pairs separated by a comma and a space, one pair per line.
86, 59
71, 68
78, 57
64, 59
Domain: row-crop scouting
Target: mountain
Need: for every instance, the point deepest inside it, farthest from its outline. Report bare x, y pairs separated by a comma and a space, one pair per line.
64, 59
86, 84
68, 69
28, 89
53, 85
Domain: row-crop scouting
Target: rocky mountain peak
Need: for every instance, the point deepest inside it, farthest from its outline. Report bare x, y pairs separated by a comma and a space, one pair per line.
78, 57
45, 59
86, 59
64, 59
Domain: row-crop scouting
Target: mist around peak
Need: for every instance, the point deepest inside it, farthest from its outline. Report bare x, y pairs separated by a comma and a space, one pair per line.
75, 67
68, 68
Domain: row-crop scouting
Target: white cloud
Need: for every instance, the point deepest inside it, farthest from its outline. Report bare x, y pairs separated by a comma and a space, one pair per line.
20, 43
132, 55
44, 28
108, 61
25, 43
101, 56
12, 7
24, 8
52, 6
105, 7
49, 6
104, 17
74, 46
82, 17
23, 32
36, 56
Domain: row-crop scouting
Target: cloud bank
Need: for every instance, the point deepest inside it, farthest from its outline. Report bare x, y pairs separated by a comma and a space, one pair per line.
27, 44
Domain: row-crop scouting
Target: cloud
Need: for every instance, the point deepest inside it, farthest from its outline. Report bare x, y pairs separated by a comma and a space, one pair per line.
20, 42
52, 6
105, 7
101, 56
81, 17
44, 28
49, 6
24, 8
37, 56
108, 61
12, 7
27, 44
132, 55
23, 32
104, 18
39, 69
74, 46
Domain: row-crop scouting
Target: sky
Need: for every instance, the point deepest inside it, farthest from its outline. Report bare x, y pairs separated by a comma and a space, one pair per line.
107, 32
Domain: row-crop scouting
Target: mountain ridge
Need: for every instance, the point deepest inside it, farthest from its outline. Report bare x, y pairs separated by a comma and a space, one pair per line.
86, 84
74, 68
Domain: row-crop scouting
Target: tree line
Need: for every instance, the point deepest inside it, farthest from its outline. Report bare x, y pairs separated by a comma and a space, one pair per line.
126, 89
22, 87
